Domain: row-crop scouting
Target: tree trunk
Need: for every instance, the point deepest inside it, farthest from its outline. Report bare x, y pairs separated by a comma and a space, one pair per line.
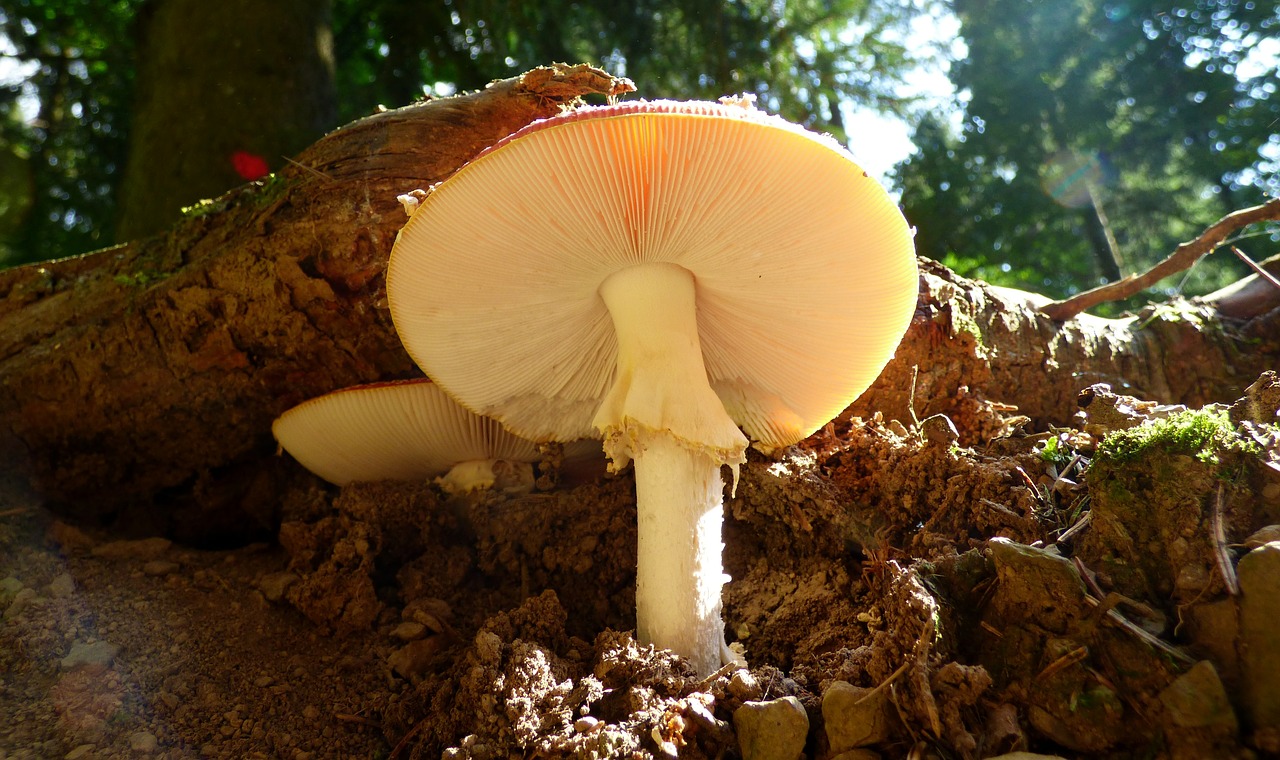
142, 380
225, 91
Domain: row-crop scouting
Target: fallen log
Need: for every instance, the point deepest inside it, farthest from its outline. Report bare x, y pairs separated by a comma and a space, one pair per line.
140, 382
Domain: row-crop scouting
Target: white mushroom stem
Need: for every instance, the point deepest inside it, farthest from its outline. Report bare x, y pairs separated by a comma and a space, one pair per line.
662, 413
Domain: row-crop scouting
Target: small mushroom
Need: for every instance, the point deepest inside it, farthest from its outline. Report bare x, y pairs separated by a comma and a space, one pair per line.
404, 430
659, 273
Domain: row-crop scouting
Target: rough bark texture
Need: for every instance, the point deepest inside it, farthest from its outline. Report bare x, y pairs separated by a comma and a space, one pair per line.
156, 368
149, 374
279, 55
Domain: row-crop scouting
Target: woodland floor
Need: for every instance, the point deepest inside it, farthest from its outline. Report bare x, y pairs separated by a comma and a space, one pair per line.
388, 622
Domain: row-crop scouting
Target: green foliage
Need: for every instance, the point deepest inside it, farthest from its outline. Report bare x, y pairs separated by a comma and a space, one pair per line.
77, 60
1127, 106
803, 59
60, 168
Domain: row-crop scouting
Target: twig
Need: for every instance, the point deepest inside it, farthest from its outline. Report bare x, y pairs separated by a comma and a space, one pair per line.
901, 669
1220, 547
1264, 274
306, 168
404, 740
1183, 257
348, 718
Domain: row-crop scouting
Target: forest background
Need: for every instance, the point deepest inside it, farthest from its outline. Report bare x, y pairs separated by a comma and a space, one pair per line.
1078, 141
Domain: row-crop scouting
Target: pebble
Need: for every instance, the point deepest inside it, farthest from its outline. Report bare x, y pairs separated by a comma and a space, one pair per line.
19, 602
853, 723
158, 568
409, 630
84, 750
744, 686
98, 653
773, 730
585, 724
1197, 699
274, 585
62, 586
140, 549
1259, 643
411, 660
144, 742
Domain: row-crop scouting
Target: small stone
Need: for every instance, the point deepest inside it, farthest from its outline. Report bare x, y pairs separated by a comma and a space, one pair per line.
20, 602
585, 724
274, 585
773, 730
8, 587
62, 586
744, 686
158, 568
1263, 535
98, 653
411, 660
1259, 573
84, 750
1197, 699
409, 630
143, 742
140, 549
853, 718
263, 682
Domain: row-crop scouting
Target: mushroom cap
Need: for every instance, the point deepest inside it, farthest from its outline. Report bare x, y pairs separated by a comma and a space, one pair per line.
804, 267
398, 430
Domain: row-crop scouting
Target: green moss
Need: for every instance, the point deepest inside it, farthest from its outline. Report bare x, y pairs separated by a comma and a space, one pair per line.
202, 207
1202, 433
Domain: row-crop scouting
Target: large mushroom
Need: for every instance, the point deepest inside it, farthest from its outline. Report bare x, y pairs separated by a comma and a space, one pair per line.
662, 273
403, 430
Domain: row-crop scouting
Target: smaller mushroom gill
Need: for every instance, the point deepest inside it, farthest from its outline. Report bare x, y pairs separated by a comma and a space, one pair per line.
400, 430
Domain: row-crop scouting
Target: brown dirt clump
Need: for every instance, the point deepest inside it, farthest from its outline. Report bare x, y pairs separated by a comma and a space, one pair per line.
1071, 592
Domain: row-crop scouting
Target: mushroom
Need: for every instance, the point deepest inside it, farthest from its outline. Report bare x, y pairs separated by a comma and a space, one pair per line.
659, 273
404, 430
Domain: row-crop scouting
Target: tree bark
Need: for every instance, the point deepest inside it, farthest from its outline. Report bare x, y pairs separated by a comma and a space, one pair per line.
225, 90
143, 379
151, 372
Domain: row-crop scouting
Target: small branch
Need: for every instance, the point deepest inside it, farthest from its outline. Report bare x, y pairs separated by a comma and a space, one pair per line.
1264, 274
1181, 259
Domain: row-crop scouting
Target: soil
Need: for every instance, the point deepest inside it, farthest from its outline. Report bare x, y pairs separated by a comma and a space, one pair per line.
1067, 591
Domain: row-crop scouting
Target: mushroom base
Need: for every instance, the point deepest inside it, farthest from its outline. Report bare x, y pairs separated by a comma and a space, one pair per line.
679, 573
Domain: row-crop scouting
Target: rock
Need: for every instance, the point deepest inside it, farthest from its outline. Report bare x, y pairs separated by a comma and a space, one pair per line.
140, 549
19, 602
852, 722
409, 630
411, 660
143, 742
274, 585
1259, 572
98, 653
62, 586
744, 686
1197, 699
773, 730
84, 750
158, 568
